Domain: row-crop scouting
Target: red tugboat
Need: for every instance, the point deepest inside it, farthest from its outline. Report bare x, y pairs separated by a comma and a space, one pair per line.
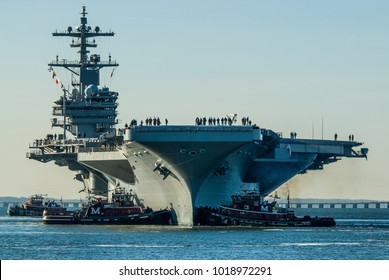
35, 206
250, 208
124, 208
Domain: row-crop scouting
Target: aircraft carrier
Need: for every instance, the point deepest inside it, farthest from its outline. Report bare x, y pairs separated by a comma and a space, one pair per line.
181, 167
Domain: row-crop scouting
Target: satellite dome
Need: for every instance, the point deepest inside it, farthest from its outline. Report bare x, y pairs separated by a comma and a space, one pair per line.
91, 89
74, 93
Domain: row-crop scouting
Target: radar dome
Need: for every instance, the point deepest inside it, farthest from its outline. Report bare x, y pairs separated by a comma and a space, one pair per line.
91, 89
74, 93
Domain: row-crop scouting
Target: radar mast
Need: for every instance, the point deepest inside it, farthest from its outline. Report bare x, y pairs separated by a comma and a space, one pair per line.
88, 110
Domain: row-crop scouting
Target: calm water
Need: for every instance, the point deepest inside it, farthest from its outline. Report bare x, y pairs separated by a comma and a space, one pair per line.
357, 238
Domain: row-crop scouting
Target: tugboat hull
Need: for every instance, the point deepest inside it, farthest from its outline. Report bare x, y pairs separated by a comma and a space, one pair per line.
237, 217
35, 206
162, 217
250, 208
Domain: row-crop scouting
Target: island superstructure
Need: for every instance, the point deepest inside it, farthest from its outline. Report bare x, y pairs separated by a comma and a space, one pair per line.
181, 167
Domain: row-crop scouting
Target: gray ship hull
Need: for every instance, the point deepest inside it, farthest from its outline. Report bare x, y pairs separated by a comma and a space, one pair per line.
186, 167
181, 172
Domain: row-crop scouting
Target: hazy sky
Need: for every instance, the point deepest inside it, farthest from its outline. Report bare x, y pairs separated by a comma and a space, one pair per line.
285, 64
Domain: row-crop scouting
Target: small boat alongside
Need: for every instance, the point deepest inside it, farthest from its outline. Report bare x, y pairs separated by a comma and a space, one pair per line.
250, 209
35, 206
124, 208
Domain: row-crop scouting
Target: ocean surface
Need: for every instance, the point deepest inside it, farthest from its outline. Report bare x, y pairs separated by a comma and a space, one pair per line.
360, 234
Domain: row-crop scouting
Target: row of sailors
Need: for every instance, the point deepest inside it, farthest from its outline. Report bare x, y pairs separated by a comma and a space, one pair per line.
199, 121
149, 121
293, 135
41, 142
221, 121
214, 121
